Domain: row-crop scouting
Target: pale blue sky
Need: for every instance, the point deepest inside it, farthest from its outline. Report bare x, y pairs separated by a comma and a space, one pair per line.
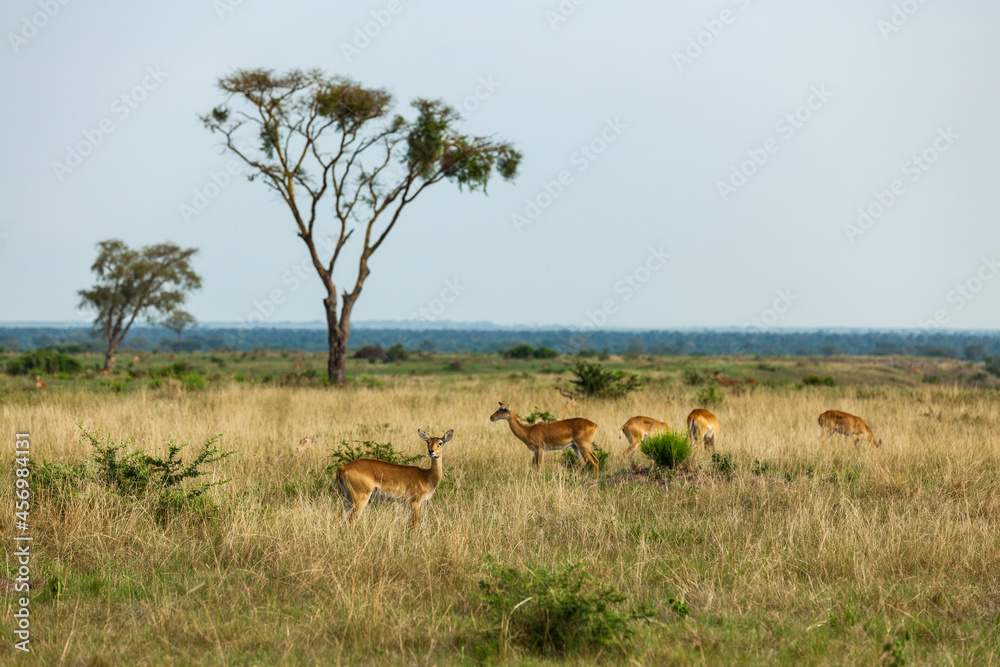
772, 247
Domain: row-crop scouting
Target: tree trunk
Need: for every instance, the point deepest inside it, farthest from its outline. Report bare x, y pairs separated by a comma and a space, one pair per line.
336, 366
109, 356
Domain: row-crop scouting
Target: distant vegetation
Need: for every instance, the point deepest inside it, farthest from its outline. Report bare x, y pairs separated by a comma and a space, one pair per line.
973, 346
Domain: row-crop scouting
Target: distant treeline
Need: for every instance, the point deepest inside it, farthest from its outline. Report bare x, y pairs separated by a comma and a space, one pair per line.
970, 345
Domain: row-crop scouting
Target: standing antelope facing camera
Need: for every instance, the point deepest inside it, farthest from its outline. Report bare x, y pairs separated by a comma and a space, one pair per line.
702, 424
359, 479
638, 429
577, 433
835, 421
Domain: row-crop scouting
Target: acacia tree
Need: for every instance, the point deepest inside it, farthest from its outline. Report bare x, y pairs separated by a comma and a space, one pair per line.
311, 137
148, 283
177, 321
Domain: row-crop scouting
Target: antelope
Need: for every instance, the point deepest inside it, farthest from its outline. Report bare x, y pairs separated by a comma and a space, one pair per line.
362, 477
724, 382
39, 383
570, 401
638, 429
104, 372
835, 421
750, 381
307, 444
577, 433
702, 424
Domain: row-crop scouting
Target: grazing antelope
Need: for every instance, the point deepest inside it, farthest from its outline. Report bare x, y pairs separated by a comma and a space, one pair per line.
104, 372
835, 421
750, 381
307, 444
570, 401
39, 383
638, 429
577, 433
724, 382
702, 424
362, 477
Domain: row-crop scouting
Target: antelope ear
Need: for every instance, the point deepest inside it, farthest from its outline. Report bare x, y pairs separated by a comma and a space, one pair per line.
447, 436
423, 435
501, 403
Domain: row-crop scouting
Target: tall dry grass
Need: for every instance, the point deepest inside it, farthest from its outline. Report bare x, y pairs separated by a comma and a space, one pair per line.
818, 560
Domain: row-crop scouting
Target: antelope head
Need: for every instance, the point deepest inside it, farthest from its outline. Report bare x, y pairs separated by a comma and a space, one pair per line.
434, 444
502, 413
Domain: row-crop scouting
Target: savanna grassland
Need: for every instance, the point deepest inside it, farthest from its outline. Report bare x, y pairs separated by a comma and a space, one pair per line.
801, 552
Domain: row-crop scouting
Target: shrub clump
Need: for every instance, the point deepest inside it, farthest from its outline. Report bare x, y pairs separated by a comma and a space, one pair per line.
723, 463
710, 396
594, 380
396, 353
525, 351
818, 381
668, 449
45, 360
347, 452
543, 416
548, 612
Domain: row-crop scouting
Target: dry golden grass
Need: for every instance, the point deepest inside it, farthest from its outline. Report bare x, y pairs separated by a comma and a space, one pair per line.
817, 561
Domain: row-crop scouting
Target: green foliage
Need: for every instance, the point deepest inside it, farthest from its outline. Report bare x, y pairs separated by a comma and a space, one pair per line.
992, 365
818, 381
60, 480
370, 352
542, 416
525, 351
572, 462
931, 379
133, 473
547, 612
193, 382
723, 463
893, 650
594, 380
668, 449
45, 360
692, 378
396, 353
368, 449
758, 468
710, 396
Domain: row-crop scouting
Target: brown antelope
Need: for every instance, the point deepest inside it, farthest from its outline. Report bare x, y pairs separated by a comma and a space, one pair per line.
577, 433
307, 444
725, 382
835, 421
750, 381
702, 424
104, 372
570, 401
359, 479
638, 429
40, 383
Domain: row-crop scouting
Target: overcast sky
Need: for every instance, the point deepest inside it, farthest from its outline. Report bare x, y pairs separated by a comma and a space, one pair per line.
713, 156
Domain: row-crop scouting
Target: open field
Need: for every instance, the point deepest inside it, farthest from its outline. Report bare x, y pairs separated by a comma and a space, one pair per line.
809, 553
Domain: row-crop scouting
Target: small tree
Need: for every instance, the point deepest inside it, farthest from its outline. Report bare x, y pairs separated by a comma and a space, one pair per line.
328, 144
177, 321
148, 283
594, 380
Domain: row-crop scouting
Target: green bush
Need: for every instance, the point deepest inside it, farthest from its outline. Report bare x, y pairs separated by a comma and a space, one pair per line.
544, 352
603, 456
710, 396
368, 449
41, 361
522, 351
692, 377
992, 365
723, 463
396, 353
817, 381
594, 380
540, 416
548, 612
668, 449
193, 382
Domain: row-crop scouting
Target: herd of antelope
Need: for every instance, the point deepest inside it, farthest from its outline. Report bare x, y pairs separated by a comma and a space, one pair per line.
360, 478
